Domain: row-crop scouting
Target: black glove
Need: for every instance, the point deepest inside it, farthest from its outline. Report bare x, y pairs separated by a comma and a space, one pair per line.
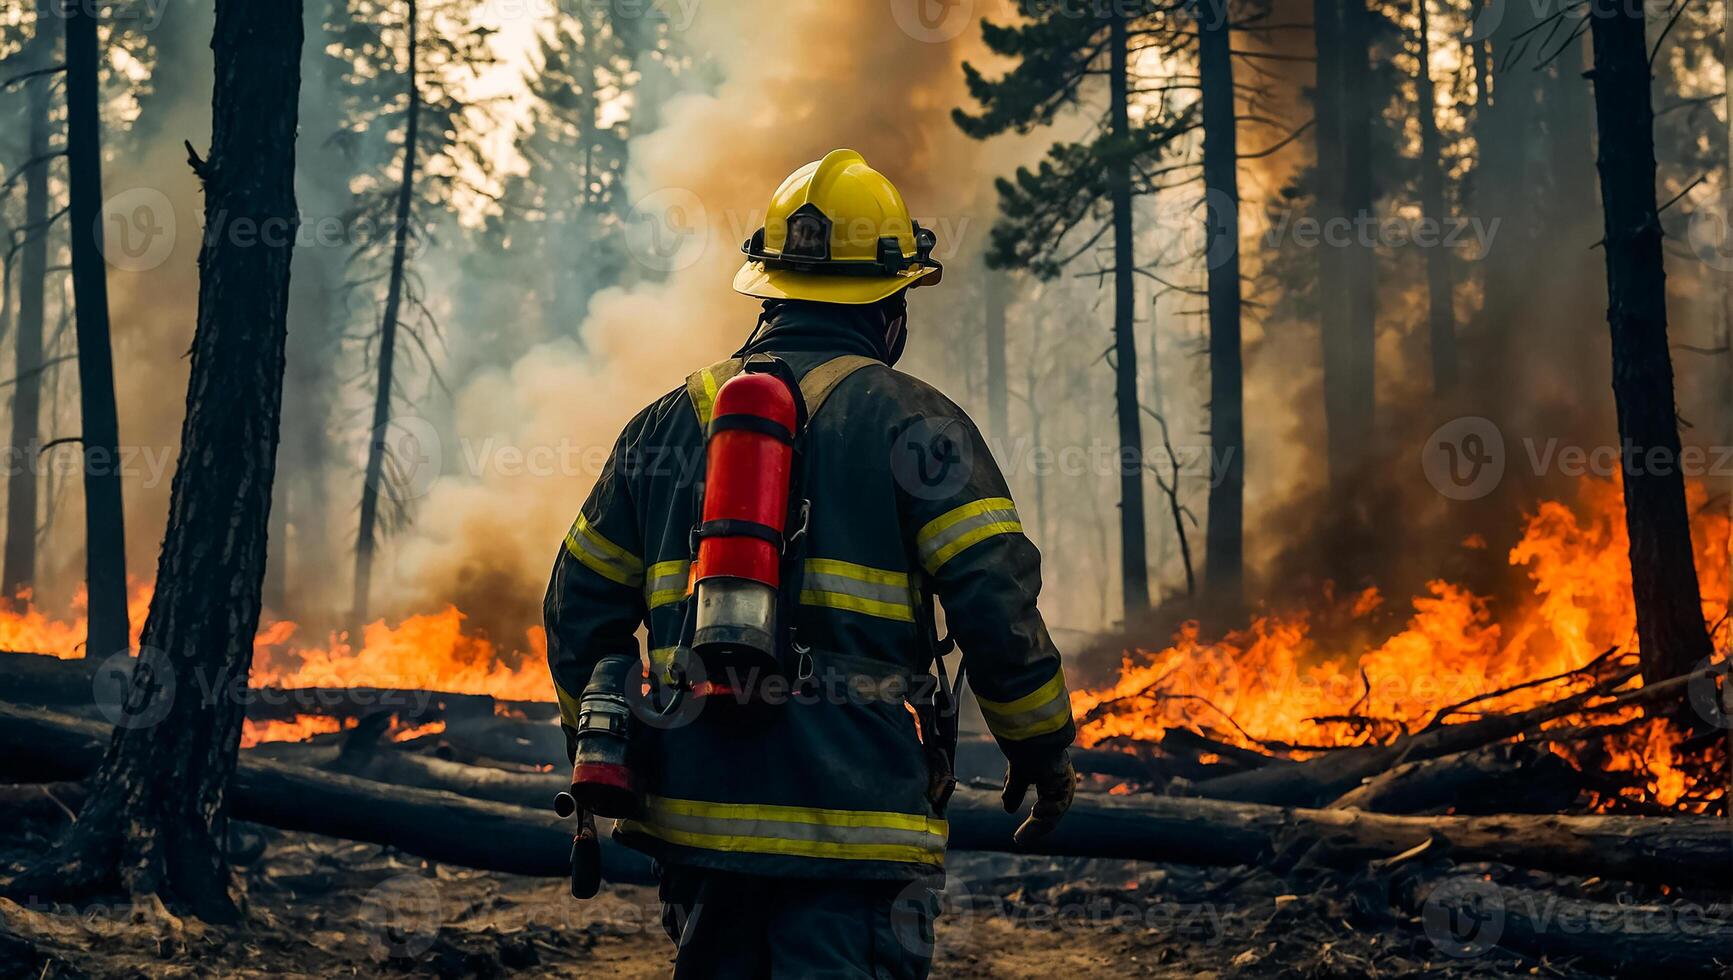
1055, 783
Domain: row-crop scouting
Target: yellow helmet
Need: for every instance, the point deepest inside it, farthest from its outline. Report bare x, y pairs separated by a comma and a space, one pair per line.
837, 231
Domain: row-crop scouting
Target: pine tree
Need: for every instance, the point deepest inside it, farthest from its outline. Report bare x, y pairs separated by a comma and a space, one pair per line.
569, 205
406, 66
1080, 184
1083, 192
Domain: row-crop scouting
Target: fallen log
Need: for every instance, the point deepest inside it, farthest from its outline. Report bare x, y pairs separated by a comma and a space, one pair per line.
387, 764
433, 824
37, 678
444, 826
40, 679
1504, 778
1465, 916
1193, 831
21, 802
513, 740
410, 704
1322, 779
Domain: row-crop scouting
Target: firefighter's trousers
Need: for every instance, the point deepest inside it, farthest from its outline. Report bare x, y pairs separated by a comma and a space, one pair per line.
727, 925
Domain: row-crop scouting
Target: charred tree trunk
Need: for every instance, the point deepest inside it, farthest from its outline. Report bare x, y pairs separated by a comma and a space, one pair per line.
24, 481
1663, 577
104, 518
1133, 562
1327, 97
157, 803
1440, 304
1224, 537
997, 286
376, 448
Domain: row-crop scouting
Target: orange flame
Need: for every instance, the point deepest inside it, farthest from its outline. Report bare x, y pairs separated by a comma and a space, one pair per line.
1273, 685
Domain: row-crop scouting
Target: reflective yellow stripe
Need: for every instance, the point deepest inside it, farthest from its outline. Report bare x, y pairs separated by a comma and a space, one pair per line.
947, 535
661, 662
797, 814
568, 706
707, 400
861, 835
1043, 710
602, 556
844, 585
853, 603
666, 582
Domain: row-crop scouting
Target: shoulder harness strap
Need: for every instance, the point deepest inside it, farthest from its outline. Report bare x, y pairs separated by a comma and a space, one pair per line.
815, 387
822, 380
702, 386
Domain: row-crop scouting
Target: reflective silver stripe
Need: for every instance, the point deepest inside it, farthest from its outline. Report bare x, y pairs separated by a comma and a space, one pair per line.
602, 556
858, 588
666, 582
1043, 710
955, 530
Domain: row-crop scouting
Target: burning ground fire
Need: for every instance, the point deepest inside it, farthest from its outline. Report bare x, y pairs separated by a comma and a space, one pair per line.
425, 652
1274, 685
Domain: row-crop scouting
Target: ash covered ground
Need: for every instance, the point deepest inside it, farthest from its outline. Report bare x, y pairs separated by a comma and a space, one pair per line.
318, 907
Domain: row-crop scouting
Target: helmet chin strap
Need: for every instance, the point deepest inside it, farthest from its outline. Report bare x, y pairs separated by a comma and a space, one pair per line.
895, 310
896, 337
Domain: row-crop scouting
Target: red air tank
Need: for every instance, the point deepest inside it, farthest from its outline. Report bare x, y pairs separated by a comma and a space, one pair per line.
749, 465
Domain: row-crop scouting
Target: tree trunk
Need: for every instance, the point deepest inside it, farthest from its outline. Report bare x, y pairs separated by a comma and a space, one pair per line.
1506, 129
1360, 258
376, 447
158, 799
104, 519
1440, 302
1663, 577
23, 483
438, 825
1133, 564
1327, 175
997, 287
1223, 544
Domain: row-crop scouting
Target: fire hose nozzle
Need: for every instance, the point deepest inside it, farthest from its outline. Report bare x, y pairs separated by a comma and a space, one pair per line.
565, 804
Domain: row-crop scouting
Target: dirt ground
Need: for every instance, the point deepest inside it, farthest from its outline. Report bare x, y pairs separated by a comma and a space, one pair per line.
324, 908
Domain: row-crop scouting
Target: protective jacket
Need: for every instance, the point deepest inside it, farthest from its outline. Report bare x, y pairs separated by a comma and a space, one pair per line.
906, 503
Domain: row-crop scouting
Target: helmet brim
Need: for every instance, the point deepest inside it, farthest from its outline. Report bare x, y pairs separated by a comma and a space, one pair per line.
754, 279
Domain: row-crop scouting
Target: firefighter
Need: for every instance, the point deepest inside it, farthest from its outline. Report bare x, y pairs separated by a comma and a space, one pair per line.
803, 839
